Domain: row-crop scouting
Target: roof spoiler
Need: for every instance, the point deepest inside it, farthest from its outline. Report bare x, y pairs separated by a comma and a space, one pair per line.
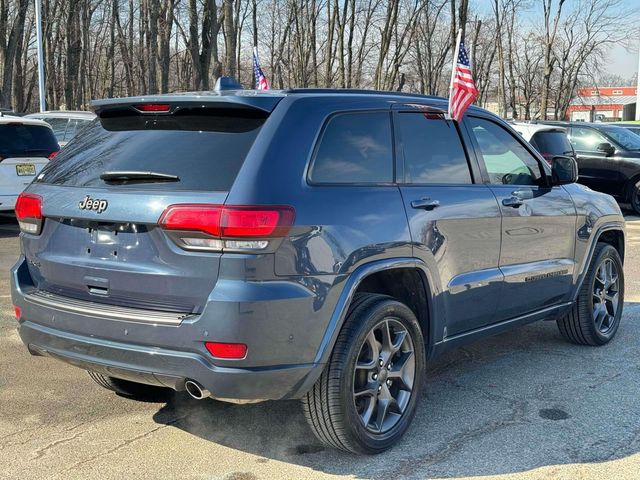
226, 97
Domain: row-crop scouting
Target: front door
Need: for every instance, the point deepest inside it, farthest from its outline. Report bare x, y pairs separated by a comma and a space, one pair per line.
596, 169
538, 222
454, 222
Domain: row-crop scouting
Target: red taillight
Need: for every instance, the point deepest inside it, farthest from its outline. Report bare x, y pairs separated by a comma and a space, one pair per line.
18, 311
235, 351
53, 154
154, 107
256, 222
29, 212
229, 227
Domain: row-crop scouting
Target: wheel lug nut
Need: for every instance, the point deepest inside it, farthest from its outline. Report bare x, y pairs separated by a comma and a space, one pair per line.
381, 362
379, 387
375, 376
388, 383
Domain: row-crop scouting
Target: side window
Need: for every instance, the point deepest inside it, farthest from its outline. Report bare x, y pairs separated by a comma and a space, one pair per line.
586, 139
432, 150
505, 158
354, 148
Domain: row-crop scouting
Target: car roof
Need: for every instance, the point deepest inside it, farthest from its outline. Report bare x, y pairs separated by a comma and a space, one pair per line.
528, 130
7, 119
266, 100
77, 114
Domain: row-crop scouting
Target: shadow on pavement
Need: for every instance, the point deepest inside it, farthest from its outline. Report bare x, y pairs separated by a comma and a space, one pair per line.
507, 404
8, 226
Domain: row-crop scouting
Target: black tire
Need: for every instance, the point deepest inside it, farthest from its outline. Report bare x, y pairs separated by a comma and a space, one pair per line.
332, 407
587, 323
634, 198
126, 388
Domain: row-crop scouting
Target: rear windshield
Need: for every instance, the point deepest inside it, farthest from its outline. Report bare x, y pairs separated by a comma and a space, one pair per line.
552, 143
204, 148
19, 140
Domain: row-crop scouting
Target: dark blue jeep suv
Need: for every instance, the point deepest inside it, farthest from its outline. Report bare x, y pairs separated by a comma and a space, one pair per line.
321, 245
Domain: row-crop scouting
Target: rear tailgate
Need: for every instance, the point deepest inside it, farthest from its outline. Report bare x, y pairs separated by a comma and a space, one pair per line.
100, 239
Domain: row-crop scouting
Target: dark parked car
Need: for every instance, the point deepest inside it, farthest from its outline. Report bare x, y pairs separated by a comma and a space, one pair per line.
608, 159
632, 127
311, 244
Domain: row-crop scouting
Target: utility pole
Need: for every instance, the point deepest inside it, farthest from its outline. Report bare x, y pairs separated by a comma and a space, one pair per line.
41, 89
638, 90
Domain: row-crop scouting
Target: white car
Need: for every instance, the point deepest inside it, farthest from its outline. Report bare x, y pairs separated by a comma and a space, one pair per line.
26, 146
65, 123
549, 140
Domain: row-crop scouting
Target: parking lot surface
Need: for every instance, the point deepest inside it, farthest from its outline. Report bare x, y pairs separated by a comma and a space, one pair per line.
524, 404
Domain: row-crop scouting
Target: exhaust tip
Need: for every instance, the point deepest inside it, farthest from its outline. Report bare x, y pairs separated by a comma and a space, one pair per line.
196, 390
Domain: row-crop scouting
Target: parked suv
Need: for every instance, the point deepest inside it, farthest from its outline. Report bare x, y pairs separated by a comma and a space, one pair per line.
66, 124
312, 244
26, 146
608, 159
550, 141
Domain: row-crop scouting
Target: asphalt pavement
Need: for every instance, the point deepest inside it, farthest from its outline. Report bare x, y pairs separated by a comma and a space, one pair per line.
522, 405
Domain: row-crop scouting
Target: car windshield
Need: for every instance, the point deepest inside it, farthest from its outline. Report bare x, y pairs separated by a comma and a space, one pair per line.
623, 137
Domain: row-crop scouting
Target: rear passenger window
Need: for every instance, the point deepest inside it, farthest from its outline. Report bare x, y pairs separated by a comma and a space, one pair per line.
432, 150
354, 148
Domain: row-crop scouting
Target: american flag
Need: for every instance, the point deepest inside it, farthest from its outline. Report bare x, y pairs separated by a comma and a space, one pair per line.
463, 88
261, 81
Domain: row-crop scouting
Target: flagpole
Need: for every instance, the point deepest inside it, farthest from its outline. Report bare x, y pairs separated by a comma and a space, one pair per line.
453, 71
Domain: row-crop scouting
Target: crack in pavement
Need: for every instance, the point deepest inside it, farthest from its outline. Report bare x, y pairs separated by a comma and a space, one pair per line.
120, 446
42, 451
516, 417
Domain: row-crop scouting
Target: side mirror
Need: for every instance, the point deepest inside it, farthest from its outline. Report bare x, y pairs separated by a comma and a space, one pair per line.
564, 170
606, 148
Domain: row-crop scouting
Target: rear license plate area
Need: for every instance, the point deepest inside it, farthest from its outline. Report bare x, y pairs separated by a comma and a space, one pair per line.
25, 169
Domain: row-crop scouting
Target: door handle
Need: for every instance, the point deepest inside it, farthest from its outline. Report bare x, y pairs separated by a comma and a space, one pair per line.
425, 203
517, 198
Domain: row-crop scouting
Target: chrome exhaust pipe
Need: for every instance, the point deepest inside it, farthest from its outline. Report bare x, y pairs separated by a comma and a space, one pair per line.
196, 390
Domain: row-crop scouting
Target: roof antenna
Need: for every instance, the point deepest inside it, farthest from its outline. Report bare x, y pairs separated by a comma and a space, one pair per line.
227, 83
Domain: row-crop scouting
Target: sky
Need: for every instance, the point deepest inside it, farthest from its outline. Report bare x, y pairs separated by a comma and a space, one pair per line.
621, 61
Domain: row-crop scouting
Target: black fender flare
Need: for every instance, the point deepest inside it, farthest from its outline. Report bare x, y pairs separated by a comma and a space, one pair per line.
593, 241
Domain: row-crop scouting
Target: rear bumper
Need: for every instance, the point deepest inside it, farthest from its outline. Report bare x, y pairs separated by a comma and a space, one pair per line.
168, 353
162, 367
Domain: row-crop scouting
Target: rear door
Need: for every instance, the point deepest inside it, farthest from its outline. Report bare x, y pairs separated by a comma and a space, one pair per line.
24, 151
538, 222
100, 239
454, 220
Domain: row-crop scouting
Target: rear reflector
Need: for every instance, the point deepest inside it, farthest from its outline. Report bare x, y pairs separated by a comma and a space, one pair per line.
234, 351
29, 212
53, 154
154, 107
232, 227
17, 311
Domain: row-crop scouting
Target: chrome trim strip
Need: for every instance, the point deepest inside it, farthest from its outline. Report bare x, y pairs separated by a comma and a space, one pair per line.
101, 310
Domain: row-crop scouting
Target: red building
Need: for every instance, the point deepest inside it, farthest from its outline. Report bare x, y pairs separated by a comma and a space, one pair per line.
603, 103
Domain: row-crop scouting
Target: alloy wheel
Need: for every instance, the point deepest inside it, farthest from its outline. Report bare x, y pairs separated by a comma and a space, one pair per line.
606, 298
384, 376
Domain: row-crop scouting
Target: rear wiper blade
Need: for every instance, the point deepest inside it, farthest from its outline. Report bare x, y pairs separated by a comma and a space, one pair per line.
132, 175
